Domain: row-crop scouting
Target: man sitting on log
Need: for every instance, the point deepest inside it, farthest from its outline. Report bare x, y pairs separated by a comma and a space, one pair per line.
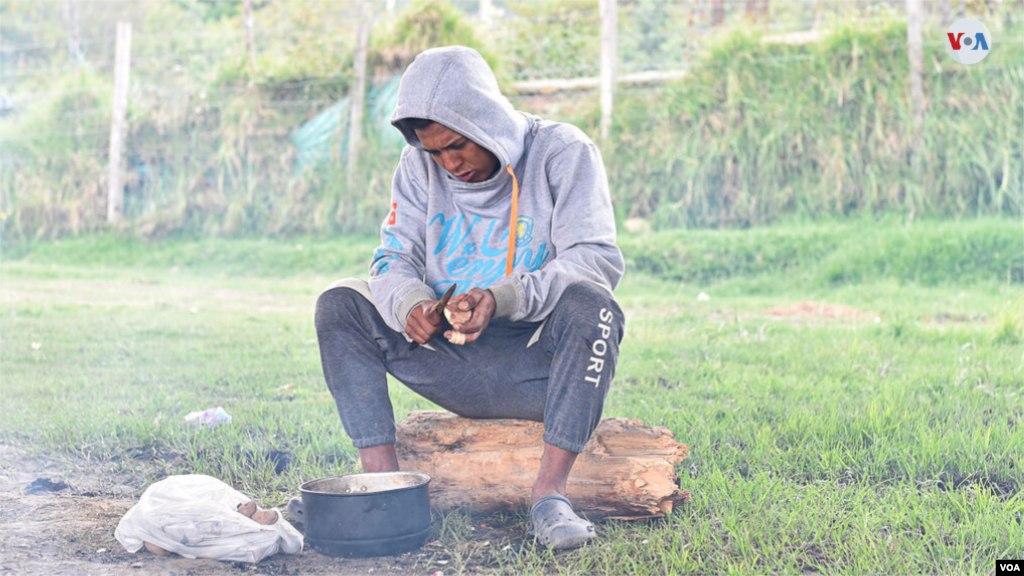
515, 211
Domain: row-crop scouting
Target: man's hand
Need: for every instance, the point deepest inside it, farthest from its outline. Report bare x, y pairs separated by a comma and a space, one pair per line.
481, 302
423, 323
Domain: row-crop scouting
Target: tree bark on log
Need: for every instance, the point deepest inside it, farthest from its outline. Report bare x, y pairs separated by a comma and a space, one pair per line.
627, 470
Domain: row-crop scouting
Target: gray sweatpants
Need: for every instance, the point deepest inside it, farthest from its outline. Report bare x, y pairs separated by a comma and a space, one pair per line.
559, 376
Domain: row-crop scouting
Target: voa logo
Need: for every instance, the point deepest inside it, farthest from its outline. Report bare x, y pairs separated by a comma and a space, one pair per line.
967, 41
1009, 567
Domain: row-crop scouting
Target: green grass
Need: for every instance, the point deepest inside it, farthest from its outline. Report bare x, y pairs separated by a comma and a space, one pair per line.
840, 252
836, 445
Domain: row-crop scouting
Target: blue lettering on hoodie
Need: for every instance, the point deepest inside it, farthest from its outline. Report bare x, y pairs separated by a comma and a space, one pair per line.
478, 266
451, 239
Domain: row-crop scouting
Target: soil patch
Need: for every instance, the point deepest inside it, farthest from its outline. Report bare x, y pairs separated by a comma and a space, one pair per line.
66, 526
947, 318
820, 310
67, 534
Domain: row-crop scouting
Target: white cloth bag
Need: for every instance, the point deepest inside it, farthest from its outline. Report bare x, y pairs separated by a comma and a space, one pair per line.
197, 516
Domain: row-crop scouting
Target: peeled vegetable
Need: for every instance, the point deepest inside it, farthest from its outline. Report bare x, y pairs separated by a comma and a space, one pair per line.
260, 515
248, 508
457, 316
157, 550
267, 517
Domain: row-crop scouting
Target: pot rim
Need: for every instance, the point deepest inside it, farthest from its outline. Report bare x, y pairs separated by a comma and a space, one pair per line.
423, 478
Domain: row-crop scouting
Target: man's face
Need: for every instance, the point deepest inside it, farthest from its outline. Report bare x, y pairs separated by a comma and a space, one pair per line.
457, 154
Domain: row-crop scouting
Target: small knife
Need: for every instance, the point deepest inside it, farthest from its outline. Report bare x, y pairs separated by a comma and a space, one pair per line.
439, 309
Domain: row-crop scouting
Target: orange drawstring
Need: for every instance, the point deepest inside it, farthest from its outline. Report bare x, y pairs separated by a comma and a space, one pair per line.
513, 228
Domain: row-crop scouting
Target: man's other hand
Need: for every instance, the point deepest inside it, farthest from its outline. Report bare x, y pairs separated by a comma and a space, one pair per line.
423, 323
481, 302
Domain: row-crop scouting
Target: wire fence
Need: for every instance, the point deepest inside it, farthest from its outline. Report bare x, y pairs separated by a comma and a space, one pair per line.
659, 53
781, 16
195, 83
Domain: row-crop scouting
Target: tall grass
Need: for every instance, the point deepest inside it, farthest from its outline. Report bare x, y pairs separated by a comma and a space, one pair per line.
755, 132
760, 130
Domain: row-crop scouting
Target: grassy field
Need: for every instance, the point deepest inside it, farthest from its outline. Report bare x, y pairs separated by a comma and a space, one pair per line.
889, 438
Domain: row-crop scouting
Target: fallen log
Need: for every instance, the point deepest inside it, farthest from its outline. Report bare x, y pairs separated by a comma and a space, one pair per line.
627, 470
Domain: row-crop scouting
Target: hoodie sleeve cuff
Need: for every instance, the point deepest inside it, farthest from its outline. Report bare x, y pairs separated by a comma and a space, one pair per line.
506, 299
410, 302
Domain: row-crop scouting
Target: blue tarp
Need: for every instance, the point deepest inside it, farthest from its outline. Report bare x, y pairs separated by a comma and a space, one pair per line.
315, 138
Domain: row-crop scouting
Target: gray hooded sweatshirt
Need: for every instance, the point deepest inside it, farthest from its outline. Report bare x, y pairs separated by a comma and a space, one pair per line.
442, 229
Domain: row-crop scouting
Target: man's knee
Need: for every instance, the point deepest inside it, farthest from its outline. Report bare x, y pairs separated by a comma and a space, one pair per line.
590, 304
338, 304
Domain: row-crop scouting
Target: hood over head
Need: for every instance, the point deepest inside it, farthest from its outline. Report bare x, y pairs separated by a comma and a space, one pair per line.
455, 87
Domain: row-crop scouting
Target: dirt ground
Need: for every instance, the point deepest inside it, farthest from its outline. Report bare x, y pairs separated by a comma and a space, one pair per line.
68, 534
820, 310
55, 519
803, 311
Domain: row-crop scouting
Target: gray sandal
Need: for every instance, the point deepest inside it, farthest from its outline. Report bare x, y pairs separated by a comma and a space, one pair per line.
554, 523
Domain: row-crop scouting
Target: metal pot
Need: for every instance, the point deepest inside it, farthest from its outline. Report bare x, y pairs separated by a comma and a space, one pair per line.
370, 514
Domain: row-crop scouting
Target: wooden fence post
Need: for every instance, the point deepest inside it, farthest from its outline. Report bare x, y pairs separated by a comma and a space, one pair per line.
358, 91
915, 53
609, 63
250, 40
717, 13
487, 13
73, 45
757, 10
122, 66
